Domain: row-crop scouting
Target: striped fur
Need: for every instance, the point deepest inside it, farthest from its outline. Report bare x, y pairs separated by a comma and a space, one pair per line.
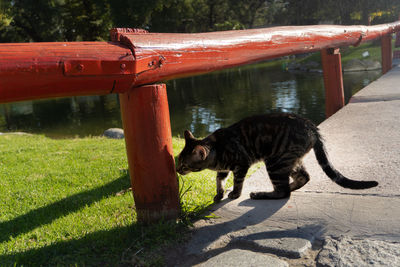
279, 140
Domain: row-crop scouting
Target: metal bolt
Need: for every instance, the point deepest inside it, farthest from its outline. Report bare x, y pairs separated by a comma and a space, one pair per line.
156, 63
161, 61
123, 66
79, 67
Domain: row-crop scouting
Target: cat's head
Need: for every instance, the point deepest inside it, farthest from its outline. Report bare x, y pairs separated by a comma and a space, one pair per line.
193, 157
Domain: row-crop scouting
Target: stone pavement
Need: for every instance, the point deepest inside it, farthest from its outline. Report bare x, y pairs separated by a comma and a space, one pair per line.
321, 224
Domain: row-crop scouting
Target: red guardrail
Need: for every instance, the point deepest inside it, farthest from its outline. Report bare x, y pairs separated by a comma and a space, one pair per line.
177, 54
44, 70
135, 58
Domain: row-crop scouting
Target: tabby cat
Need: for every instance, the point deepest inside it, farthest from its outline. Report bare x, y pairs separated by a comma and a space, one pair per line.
280, 140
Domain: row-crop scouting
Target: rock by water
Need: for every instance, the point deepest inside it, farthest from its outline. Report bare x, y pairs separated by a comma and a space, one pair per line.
114, 133
361, 65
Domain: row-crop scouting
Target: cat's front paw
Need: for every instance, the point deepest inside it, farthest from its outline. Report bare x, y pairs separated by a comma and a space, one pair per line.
234, 195
218, 197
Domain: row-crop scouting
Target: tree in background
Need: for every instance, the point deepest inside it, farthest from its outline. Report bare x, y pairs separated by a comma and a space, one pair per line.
85, 20
54, 20
136, 13
90, 20
214, 15
29, 21
344, 12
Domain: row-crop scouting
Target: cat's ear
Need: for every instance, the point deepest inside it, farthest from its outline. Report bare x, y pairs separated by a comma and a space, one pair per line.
200, 152
188, 135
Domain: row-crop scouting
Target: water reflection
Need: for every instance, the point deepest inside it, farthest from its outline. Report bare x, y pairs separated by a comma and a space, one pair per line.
201, 104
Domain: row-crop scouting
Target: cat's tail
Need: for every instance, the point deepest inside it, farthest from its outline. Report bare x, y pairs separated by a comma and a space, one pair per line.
336, 176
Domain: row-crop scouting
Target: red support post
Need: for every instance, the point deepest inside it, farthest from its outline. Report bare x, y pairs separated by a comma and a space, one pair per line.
333, 80
386, 50
145, 117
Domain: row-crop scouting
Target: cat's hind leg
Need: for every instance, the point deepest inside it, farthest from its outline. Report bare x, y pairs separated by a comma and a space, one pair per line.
279, 173
221, 179
300, 177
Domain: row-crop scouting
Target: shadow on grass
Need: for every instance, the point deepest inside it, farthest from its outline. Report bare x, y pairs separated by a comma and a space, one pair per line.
44, 215
121, 246
92, 249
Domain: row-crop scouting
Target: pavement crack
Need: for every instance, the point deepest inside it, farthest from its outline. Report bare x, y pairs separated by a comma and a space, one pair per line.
351, 212
297, 213
350, 194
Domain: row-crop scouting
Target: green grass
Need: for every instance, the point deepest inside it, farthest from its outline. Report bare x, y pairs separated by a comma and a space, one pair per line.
64, 202
351, 52
347, 54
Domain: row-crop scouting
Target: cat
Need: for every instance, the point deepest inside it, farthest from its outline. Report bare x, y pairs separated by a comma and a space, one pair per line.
280, 140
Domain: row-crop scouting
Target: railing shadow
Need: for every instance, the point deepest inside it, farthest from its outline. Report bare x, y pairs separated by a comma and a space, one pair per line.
102, 248
306, 232
204, 242
44, 215
260, 212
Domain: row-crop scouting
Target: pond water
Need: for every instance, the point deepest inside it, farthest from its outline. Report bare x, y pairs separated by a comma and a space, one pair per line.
201, 104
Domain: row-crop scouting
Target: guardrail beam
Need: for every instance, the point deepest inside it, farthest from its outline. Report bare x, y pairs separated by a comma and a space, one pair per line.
45, 70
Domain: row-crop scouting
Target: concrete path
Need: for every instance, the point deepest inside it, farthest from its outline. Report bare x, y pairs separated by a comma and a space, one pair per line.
321, 224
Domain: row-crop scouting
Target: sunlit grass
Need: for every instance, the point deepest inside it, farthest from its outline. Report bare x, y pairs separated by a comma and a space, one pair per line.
347, 53
65, 202
57, 195
351, 52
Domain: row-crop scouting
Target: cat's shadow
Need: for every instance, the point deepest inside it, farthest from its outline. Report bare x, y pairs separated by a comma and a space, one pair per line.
233, 221
218, 236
